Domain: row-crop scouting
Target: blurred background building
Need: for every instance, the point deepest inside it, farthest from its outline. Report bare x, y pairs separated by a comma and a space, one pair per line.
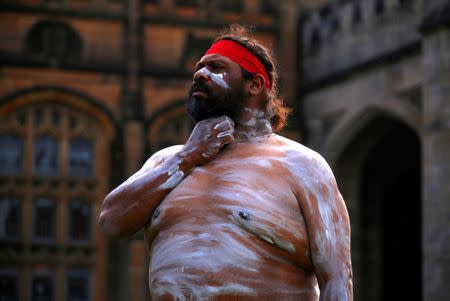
89, 89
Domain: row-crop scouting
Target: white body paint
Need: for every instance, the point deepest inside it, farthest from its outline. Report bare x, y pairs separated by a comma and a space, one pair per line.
203, 230
334, 228
253, 126
187, 255
173, 180
179, 273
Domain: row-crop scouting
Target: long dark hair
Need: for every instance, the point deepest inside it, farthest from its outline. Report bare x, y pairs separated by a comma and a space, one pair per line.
275, 108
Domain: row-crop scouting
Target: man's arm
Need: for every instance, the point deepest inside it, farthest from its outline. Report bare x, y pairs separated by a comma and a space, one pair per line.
328, 227
127, 208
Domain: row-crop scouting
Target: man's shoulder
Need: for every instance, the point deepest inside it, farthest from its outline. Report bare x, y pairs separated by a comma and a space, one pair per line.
303, 160
297, 151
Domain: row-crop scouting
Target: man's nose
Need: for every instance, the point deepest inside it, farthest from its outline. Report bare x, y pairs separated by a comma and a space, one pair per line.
202, 74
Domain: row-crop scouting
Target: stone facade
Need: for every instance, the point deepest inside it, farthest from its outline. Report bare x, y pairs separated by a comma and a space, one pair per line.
436, 151
374, 84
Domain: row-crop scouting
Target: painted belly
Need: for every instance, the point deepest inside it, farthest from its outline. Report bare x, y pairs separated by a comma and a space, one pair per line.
219, 260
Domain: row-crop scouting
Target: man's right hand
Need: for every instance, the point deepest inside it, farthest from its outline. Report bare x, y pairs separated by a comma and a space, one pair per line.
208, 137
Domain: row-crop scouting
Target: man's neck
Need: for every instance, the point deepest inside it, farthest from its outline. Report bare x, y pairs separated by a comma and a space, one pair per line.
253, 125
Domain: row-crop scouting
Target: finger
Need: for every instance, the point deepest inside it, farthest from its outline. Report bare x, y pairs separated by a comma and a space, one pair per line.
226, 133
226, 137
223, 118
224, 124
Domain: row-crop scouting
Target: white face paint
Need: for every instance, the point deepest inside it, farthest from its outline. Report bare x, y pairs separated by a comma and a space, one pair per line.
215, 77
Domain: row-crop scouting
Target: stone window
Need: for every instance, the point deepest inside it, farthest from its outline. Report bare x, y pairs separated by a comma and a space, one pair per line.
52, 177
81, 158
59, 143
43, 287
79, 221
9, 290
53, 40
44, 222
11, 154
193, 48
170, 128
78, 285
10, 219
45, 156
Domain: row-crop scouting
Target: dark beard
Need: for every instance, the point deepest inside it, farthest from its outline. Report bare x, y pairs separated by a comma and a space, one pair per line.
230, 103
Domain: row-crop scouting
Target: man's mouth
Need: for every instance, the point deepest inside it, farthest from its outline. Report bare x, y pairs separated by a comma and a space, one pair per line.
199, 93
199, 90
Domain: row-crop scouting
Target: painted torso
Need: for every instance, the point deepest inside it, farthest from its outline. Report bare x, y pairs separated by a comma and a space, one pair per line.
233, 229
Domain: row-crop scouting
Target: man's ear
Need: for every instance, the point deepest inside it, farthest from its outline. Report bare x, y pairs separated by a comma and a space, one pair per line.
256, 85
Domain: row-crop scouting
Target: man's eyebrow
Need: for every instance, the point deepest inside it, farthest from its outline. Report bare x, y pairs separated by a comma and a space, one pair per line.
199, 65
209, 61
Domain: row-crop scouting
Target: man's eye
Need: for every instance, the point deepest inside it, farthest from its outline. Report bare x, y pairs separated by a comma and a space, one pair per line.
215, 66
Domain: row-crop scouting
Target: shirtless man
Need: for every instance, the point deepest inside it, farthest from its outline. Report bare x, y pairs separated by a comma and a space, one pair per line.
238, 212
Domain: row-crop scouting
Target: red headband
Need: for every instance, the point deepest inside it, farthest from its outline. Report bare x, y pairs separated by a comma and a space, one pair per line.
241, 56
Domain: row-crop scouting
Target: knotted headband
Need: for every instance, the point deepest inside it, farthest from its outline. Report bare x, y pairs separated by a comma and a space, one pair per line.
241, 56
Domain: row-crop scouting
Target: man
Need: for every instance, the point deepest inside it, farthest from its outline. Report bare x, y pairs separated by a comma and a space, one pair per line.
238, 212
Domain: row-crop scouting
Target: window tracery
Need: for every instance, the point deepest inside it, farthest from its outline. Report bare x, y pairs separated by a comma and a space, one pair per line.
48, 189
170, 128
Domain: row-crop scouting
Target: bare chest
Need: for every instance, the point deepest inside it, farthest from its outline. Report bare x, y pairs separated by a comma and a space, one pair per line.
236, 198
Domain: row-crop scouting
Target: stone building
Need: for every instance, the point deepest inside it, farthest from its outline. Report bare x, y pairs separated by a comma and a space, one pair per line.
91, 88
375, 89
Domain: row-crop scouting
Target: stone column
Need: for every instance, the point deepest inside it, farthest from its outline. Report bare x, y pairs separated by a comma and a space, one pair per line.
289, 14
131, 250
436, 155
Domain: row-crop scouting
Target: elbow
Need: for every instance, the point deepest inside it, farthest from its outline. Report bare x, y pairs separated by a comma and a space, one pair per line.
109, 227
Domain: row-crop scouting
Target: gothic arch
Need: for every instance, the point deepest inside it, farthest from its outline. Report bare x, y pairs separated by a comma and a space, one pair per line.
354, 121
64, 154
378, 170
170, 125
63, 96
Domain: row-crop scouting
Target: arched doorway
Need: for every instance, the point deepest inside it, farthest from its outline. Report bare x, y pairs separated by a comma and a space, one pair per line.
391, 205
380, 173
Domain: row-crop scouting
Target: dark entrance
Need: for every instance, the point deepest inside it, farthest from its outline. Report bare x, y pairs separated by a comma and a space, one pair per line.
390, 198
